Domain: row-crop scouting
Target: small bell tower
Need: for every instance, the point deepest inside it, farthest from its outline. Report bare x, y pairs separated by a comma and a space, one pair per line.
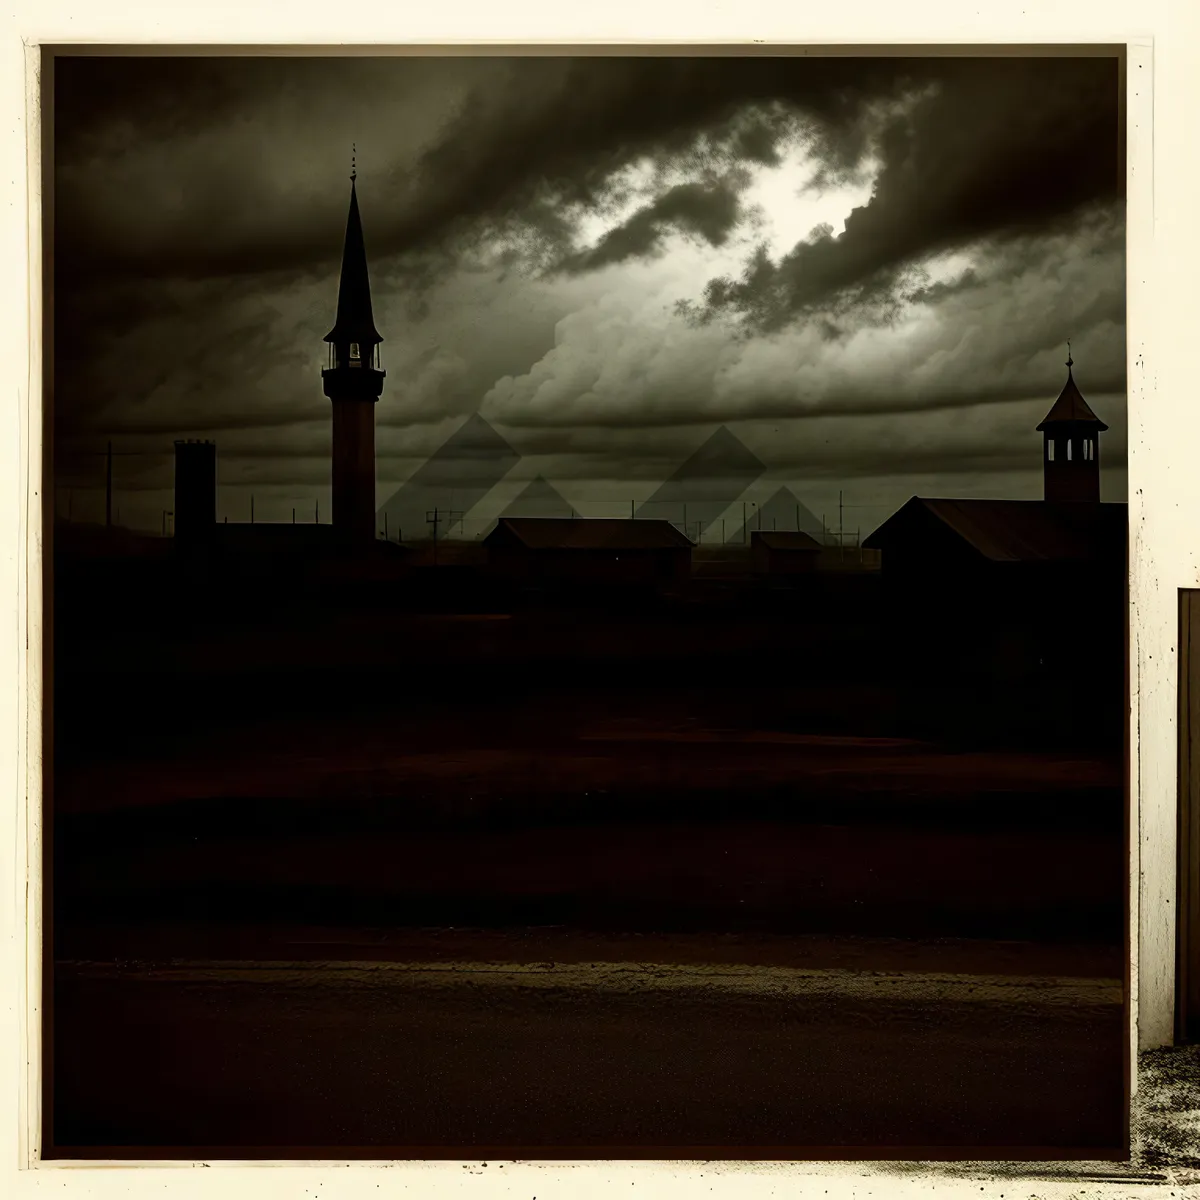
1071, 447
353, 381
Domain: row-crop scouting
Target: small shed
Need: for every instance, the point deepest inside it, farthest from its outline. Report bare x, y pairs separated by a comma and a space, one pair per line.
545, 551
784, 552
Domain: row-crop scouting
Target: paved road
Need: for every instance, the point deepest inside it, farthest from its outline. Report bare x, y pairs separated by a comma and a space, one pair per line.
520, 1059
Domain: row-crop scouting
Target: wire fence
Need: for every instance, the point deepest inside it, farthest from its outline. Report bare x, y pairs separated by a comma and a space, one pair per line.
153, 512
707, 530
704, 523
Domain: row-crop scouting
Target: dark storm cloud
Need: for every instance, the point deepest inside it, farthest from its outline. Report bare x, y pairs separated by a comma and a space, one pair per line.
994, 143
158, 355
523, 137
558, 131
979, 154
203, 166
707, 211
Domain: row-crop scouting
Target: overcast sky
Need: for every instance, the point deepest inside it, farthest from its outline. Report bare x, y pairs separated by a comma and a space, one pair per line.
867, 269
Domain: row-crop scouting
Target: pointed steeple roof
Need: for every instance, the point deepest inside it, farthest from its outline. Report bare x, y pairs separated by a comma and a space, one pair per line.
1071, 407
355, 322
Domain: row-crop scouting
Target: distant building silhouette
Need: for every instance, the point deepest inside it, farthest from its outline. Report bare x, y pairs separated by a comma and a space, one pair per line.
784, 552
1071, 451
783, 510
353, 381
551, 552
195, 489
1012, 590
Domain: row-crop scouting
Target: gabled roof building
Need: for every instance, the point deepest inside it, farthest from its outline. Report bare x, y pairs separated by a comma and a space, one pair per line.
549, 551
1015, 589
784, 552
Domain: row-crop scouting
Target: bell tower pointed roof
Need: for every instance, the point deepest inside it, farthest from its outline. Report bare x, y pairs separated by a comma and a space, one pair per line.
1071, 407
354, 322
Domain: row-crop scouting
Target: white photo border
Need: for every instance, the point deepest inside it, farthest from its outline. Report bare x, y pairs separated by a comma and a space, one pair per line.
1163, 72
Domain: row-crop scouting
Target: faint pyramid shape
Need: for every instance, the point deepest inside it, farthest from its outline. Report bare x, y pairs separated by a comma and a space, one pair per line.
700, 491
540, 499
466, 466
783, 511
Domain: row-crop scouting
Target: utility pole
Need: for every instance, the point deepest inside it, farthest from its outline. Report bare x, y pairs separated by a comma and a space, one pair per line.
435, 519
632, 510
293, 514
316, 512
722, 531
745, 531
841, 531
385, 528
251, 508
108, 487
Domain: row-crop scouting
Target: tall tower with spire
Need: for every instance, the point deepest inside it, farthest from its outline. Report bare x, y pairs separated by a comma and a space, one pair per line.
1071, 451
353, 381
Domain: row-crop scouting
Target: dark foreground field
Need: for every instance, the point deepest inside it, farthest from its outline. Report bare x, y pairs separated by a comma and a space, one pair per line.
558, 884
749, 944
684, 830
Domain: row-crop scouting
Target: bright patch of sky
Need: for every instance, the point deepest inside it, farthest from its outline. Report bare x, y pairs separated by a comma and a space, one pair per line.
792, 208
785, 204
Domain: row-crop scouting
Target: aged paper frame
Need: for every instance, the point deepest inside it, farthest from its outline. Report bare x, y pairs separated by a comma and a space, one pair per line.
1162, 39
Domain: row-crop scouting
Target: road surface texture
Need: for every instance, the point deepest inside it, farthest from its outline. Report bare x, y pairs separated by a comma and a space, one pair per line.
576, 1058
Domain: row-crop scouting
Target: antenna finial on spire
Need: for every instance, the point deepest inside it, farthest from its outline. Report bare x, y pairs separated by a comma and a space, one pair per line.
353, 161
1070, 360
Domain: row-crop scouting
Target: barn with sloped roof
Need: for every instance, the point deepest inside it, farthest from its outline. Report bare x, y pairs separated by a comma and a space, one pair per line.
1004, 587
1024, 592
